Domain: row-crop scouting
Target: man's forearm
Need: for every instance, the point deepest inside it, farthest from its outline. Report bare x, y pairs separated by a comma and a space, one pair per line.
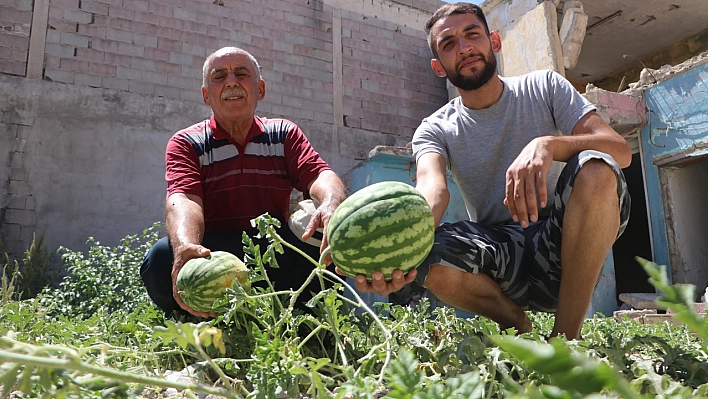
185, 221
437, 196
591, 133
328, 190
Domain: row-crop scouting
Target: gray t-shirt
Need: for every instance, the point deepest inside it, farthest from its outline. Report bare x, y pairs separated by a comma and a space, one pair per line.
480, 145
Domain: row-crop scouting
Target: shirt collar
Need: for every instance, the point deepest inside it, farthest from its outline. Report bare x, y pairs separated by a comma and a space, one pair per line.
218, 133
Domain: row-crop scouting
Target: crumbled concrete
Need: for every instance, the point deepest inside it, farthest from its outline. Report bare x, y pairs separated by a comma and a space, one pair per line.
649, 77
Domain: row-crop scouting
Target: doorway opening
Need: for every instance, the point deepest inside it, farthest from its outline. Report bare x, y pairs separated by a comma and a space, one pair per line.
636, 239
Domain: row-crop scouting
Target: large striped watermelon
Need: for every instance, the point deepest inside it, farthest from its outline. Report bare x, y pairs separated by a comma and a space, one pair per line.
384, 226
204, 280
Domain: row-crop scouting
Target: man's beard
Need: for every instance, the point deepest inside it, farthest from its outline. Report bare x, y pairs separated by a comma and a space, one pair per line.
477, 79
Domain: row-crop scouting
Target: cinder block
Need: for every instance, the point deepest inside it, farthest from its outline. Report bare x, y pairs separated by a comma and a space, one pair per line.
194, 50
181, 58
145, 41
102, 69
141, 87
119, 35
168, 44
90, 55
138, 5
19, 188
131, 50
17, 41
15, 15
13, 67
20, 216
156, 54
182, 13
181, 82
121, 13
107, 46
108, 22
71, 4
168, 68
129, 73
92, 31
81, 17
157, 78
74, 65
16, 201
640, 300
110, 82
51, 61
117, 60
84, 79
218, 33
142, 64
72, 39
160, 9
94, 7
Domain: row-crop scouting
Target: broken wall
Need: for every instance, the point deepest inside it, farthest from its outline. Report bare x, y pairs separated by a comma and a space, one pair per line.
674, 143
529, 33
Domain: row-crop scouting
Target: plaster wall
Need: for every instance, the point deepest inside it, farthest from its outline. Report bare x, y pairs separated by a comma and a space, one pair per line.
529, 33
688, 223
82, 146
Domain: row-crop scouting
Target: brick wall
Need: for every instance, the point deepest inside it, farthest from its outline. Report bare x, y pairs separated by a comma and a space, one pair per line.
388, 84
15, 22
157, 48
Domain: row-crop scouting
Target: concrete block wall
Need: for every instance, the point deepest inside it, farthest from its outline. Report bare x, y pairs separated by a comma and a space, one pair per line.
387, 79
94, 88
15, 21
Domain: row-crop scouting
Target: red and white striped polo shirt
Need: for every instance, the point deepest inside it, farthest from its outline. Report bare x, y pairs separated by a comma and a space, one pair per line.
239, 183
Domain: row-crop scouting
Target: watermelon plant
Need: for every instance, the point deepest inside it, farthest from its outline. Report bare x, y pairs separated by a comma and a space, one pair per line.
384, 226
263, 346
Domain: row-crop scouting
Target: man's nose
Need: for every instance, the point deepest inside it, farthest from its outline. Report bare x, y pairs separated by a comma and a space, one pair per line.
466, 46
231, 80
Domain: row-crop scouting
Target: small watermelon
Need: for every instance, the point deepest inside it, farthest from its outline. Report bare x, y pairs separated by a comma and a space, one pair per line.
384, 226
204, 280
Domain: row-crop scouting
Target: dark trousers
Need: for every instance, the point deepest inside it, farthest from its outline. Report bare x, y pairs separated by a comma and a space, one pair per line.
156, 270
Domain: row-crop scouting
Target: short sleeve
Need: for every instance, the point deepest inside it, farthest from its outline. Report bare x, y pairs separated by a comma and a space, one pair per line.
182, 169
567, 104
425, 140
303, 162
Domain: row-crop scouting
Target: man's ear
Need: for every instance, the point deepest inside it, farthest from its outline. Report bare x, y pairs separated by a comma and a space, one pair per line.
205, 96
261, 89
438, 68
496, 42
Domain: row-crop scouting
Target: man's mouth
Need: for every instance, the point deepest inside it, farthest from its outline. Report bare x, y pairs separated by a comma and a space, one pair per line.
233, 95
471, 60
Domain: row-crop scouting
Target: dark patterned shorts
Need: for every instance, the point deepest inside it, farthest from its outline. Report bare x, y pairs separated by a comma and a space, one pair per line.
524, 262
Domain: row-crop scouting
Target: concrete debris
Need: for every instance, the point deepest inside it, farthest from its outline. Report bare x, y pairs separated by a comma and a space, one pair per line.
649, 77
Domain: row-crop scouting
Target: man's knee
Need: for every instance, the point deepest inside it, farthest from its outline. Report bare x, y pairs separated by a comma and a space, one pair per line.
596, 178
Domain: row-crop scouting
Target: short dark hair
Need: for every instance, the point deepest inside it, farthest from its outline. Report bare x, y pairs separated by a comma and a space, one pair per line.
452, 9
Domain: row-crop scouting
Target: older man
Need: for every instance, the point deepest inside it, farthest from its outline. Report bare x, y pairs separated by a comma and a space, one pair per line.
511, 143
229, 169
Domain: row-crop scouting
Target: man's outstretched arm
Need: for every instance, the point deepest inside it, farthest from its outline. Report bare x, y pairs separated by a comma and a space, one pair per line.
185, 230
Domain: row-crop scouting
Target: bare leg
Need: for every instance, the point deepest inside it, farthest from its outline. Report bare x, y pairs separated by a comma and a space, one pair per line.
476, 293
590, 226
